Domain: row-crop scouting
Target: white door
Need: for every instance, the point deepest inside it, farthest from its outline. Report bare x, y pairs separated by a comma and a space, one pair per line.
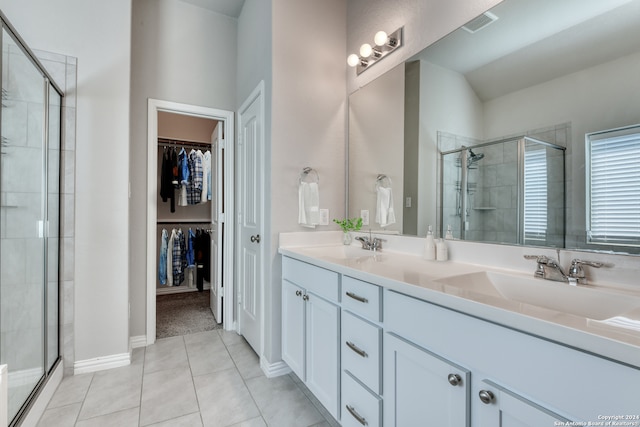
250, 236
217, 215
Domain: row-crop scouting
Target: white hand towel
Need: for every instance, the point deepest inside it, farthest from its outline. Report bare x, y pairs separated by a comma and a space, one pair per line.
385, 215
308, 204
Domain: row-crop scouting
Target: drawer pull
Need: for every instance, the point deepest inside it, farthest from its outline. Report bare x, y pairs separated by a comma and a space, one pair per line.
357, 416
357, 297
357, 349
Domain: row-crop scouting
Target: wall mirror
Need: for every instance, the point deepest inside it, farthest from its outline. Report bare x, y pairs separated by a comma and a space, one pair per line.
541, 74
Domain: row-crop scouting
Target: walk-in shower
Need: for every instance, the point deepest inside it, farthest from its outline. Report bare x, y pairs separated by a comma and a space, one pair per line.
505, 191
30, 128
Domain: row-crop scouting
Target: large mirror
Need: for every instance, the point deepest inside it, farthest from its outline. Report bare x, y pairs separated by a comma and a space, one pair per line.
527, 73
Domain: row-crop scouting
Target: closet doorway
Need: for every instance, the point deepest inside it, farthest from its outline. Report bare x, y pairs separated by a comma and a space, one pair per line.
197, 215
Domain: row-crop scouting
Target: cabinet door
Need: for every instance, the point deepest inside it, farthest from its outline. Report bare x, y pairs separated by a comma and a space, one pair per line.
293, 327
499, 407
421, 388
322, 353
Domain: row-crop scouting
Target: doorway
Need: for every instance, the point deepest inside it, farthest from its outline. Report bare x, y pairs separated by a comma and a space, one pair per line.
209, 218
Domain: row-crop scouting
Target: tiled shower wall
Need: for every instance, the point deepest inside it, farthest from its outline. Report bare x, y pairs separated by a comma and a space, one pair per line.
63, 70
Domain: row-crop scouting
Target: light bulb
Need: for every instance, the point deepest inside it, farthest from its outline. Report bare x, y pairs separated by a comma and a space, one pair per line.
380, 38
353, 60
366, 50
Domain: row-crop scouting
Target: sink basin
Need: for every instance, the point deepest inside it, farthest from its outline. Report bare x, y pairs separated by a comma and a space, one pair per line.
587, 301
340, 252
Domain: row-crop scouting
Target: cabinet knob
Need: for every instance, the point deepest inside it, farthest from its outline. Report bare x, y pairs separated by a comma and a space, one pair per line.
305, 297
454, 379
255, 239
486, 396
298, 293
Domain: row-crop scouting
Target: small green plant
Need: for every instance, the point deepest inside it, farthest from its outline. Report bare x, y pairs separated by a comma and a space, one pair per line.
349, 224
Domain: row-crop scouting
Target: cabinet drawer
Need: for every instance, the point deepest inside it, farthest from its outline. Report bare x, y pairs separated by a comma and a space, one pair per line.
315, 279
359, 406
362, 298
361, 349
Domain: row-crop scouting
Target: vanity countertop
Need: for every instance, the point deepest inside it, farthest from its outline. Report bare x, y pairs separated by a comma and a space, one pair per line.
616, 338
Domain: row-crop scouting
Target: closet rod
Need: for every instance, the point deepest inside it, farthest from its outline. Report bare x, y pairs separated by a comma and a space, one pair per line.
166, 142
183, 222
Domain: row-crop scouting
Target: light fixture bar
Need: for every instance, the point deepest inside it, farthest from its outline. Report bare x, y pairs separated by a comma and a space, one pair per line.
381, 48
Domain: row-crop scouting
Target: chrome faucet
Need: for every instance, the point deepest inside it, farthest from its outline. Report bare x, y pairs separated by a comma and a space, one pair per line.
371, 243
550, 269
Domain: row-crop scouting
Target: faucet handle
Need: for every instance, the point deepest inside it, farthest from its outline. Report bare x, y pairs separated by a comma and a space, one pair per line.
540, 259
576, 272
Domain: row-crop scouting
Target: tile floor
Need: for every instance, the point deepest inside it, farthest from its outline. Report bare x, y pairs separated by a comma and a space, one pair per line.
206, 379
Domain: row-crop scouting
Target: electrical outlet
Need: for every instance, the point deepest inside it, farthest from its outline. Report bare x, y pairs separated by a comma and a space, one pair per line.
364, 214
407, 203
324, 216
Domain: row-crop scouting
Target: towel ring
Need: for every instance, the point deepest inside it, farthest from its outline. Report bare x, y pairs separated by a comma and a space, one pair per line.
306, 172
380, 181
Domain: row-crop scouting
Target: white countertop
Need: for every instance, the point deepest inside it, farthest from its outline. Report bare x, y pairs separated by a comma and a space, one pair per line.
413, 276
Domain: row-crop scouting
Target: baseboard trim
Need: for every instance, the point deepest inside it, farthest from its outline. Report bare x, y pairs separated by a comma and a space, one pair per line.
101, 363
276, 369
138, 341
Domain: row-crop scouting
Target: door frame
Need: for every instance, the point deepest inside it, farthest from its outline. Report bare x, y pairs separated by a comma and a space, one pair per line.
227, 117
257, 95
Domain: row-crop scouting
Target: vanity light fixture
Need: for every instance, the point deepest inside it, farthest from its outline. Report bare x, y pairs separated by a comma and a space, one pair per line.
384, 44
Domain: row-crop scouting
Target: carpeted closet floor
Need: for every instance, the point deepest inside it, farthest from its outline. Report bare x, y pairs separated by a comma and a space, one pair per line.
184, 313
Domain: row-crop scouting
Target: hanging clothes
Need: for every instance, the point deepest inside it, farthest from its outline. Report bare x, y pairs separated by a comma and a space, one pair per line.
183, 176
170, 243
205, 182
194, 187
179, 260
162, 262
207, 170
167, 188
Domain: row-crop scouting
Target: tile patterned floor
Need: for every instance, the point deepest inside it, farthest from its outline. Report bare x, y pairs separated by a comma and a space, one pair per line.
207, 379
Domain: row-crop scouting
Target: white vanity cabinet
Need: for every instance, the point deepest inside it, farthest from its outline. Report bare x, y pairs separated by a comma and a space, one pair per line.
515, 379
311, 329
421, 388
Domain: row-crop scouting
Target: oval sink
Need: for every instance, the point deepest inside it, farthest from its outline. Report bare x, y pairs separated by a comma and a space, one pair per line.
587, 301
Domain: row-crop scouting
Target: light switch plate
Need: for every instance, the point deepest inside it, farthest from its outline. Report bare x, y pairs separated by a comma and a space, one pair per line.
324, 216
364, 214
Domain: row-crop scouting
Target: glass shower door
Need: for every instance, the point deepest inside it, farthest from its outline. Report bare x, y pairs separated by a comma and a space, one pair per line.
23, 224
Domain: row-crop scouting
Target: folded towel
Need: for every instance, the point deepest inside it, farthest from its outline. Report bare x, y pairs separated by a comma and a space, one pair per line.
308, 204
385, 215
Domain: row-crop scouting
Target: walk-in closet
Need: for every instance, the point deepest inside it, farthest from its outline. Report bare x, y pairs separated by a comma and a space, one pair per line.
186, 187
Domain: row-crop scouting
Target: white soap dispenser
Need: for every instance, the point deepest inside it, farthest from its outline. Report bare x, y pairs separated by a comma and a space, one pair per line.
449, 235
429, 246
441, 249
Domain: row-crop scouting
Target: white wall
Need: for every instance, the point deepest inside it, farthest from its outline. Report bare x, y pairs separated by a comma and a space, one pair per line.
97, 33
308, 125
180, 53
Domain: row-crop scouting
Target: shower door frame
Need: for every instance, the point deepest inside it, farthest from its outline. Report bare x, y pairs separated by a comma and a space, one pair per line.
47, 83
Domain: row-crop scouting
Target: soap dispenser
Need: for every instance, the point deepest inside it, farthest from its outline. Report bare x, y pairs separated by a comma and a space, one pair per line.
449, 235
443, 252
429, 246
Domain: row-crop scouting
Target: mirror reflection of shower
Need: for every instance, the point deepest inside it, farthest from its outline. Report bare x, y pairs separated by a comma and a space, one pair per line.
501, 191
467, 179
